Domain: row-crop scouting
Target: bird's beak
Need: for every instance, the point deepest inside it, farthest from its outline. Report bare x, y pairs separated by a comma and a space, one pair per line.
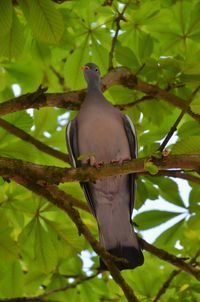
84, 68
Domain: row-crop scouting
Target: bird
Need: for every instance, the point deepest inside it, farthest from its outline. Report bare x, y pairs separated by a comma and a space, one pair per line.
101, 133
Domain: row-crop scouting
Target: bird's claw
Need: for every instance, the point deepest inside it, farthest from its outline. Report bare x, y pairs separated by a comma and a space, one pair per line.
120, 161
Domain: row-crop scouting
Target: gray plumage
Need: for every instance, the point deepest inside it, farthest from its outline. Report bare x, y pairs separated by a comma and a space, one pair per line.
102, 130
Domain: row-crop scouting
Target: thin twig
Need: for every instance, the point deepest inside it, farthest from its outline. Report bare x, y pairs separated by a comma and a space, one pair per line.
175, 174
166, 285
61, 79
175, 125
178, 262
30, 139
134, 103
173, 274
80, 280
118, 19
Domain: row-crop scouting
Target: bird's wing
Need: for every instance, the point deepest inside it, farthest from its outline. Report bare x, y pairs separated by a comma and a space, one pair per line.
132, 140
72, 145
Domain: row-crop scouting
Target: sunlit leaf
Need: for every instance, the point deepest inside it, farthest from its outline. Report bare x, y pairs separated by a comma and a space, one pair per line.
150, 219
46, 22
190, 145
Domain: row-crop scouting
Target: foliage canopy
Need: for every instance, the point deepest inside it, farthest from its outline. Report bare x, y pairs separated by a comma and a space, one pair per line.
45, 42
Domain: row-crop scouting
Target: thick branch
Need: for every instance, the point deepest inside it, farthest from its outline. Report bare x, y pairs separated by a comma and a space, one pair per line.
51, 174
72, 100
30, 139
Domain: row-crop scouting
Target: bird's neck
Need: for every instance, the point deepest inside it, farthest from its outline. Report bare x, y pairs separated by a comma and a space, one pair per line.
93, 87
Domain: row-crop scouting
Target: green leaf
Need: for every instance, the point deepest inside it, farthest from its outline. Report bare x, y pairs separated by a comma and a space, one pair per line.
189, 145
12, 43
145, 46
169, 237
21, 120
6, 14
8, 248
12, 280
170, 194
74, 75
37, 246
125, 56
46, 21
195, 105
72, 266
153, 218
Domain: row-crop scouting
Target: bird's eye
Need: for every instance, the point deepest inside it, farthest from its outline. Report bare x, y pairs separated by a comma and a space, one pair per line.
96, 69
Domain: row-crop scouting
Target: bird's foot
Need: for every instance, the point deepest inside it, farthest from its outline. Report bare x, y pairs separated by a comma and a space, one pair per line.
120, 161
94, 163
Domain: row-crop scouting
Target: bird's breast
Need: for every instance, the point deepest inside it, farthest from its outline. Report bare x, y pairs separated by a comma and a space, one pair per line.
102, 133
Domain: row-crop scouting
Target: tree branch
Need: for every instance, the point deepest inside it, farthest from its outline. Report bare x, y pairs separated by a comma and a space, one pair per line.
30, 139
64, 201
175, 125
72, 100
54, 175
59, 199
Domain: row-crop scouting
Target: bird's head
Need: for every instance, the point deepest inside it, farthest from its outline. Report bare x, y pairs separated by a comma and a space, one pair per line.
92, 74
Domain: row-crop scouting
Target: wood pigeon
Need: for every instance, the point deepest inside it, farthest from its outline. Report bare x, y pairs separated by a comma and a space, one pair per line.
102, 133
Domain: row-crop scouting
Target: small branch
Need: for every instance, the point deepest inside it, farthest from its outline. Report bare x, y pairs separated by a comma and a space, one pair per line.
166, 285
174, 127
30, 139
118, 19
80, 280
173, 274
187, 267
72, 100
134, 103
175, 174
61, 79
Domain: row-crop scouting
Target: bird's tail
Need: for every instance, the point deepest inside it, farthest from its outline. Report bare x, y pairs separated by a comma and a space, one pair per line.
132, 257
122, 243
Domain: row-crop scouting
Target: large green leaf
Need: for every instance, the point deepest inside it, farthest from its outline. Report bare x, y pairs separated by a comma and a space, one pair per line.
195, 105
168, 190
8, 248
169, 237
189, 145
12, 279
6, 14
45, 21
153, 218
37, 246
12, 43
